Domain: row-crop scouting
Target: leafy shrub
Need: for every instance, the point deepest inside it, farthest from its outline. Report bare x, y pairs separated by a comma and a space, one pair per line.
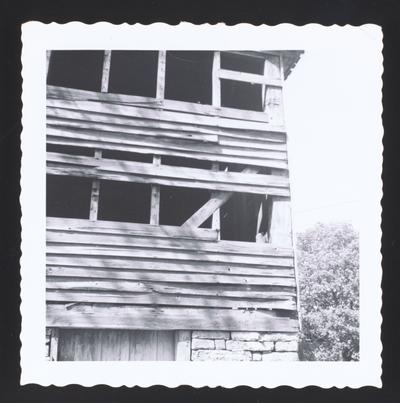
328, 267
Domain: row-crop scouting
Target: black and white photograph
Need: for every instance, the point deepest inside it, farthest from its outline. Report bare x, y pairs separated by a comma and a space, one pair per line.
203, 205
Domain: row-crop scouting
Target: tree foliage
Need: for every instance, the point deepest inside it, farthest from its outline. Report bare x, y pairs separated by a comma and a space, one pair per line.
328, 267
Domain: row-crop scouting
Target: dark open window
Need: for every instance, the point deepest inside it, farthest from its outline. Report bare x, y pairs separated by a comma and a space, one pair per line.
246, 64
68, 196
241, 95
124, 201
178, 204
188, 76
80, 69
133, 72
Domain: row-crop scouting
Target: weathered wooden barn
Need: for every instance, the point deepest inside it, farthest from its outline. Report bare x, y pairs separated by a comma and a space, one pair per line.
168, 206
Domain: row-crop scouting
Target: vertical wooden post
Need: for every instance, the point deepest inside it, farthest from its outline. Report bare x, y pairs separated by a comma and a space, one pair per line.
216, 81
280, 232
155, 197
94, 197
272, 103
48, 57
183, 342
162, 56
106, 71
216, 223
54, 344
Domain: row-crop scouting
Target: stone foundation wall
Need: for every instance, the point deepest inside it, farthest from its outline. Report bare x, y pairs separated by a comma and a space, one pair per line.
243, 346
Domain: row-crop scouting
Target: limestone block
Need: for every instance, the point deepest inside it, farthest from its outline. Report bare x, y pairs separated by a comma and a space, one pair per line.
220, 344
286, 346
236, 345
246, 336
204, 344
280, 357
210, 334
220, 355
279, 337
257, 356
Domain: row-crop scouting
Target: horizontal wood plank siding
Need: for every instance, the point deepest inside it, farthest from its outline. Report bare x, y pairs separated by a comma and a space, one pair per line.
138, 267
60, 164
145, 127
168, 318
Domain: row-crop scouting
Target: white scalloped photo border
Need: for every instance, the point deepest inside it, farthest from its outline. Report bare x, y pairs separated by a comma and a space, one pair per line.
36, 39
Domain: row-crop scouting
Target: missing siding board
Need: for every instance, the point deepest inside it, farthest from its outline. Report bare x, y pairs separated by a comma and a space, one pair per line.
126, 156
178, 204
188, 76
124, 202
246, 64
185, 162
70, 150
133, 73
81, 69
241, 95
68, 196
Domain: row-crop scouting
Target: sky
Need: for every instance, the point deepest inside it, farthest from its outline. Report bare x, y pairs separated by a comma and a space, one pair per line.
330, 101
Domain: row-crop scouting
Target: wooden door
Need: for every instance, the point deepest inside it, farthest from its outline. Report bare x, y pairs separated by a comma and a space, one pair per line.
115, 345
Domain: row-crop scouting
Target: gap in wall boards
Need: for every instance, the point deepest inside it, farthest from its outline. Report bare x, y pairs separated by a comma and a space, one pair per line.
185, 162
68, 196
80, 69
71, 150
245, 64
241, 95
127, 156
178, 204
239, 217
124, 201
188, 76
133, 72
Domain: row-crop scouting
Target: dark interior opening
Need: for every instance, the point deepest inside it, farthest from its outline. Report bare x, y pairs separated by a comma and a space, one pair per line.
188, 76
231, 167
246, 64
133, 72
178, 204
68, 196
127, 156
80, 69
241, 95
185, 162
239, 217
124, 201
71, 150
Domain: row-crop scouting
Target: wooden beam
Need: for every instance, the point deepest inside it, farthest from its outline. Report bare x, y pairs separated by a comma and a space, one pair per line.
155, 197
55, 92
135, 317
216, 223
280, 232
76, 225
162, 55
121, 298
112, 278
183, 342
54, 344
216, 201
106, 71
249, 78
48, 58
127, 171
216, 82
273, 103
94, 196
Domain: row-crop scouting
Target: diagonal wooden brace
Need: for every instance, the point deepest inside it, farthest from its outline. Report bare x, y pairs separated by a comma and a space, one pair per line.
216, 201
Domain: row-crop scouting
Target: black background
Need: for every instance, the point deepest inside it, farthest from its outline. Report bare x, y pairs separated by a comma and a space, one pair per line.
327, 12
